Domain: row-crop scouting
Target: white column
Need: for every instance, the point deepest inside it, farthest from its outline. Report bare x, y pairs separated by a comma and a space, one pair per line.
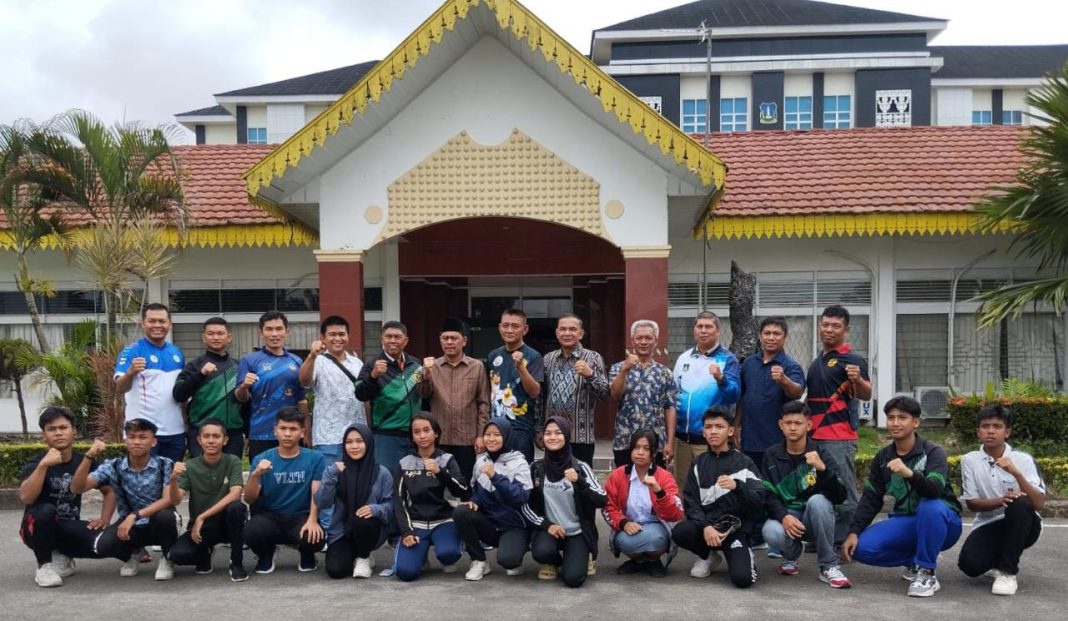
390, 281
884, 363
154, 294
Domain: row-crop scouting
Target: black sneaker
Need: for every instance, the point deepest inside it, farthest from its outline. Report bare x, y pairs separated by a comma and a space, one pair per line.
629, 567
238, 573
204, 565
265, 564
655, 569
307, 562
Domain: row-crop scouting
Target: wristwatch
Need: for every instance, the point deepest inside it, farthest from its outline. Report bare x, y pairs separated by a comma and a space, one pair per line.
137, 515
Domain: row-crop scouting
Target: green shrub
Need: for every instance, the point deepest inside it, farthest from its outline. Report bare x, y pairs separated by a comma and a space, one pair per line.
14, 456
1054, 472
1038, 423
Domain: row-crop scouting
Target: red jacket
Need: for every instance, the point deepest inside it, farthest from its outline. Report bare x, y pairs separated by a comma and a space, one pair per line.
667, 505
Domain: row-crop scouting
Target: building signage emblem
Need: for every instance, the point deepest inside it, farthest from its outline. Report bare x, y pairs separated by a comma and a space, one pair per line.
769, 113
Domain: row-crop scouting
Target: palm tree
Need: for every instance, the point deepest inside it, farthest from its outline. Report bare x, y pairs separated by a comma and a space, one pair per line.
29, 225
1035, 209
119, 175
17, 360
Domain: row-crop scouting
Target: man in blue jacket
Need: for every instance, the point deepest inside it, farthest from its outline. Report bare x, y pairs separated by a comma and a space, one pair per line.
707, 376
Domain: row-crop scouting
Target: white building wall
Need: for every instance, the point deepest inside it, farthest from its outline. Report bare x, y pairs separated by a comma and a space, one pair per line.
839, 83
736, 86
283, 120
691, 87
982, 99
797, 85
220, 134
256, 116
313, 110
952, 106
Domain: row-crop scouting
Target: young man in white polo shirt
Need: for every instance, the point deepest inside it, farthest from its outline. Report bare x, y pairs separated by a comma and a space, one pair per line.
1004, 488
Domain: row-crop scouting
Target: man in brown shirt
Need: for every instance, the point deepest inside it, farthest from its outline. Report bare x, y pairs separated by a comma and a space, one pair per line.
459, 395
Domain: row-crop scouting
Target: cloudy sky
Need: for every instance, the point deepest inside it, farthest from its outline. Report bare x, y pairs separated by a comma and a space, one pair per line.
147, 60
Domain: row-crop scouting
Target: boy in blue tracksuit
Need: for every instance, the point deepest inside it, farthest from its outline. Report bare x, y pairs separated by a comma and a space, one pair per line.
707, 376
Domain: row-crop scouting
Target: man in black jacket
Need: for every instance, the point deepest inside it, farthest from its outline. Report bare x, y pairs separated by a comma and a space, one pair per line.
721, 497
803, 487
208, 383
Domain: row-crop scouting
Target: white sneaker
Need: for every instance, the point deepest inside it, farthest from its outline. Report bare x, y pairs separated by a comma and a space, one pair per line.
1004, 584
47, 577
63, 564
448, 569
363, 568
478, 570
518, 571
165, 570
703, 567
925, 585
130, 567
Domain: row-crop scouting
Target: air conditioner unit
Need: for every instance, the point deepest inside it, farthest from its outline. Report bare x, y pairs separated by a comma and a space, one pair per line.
934, 401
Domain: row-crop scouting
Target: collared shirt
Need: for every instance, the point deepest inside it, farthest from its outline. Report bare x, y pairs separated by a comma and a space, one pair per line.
278, 386
135, 489
572, 396
459, 398
336, 405
508, 397
762, 399
650, 390
639, 503
982, 478
830, 393
699, 390
151, 394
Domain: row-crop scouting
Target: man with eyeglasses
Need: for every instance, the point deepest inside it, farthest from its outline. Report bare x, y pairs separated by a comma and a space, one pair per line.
516, 372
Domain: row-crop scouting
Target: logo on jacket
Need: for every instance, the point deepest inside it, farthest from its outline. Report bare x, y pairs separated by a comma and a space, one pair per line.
176, 358
153, 358
685, 367
832, 362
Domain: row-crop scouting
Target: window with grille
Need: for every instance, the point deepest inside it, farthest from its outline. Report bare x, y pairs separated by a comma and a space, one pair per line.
694, 115
734, 114
798, 113
837, 112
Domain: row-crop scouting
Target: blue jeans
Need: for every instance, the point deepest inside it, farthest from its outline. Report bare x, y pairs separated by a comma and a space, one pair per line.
389, 450
523, 441
904, 540
331, 454
653, 537
172, 447
447, 547
818, 518
844, 453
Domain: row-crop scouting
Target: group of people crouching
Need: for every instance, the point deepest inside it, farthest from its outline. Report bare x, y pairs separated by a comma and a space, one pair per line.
354, 506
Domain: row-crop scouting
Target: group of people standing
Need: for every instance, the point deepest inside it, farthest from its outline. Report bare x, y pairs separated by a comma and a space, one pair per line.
440, 453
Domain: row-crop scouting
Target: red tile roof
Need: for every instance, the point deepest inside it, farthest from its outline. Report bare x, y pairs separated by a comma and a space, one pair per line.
866, 170
214, 188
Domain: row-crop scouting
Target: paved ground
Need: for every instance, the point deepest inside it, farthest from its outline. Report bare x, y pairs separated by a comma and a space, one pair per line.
97, 592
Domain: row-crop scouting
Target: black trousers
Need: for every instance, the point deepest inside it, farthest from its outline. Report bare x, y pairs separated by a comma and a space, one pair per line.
690, 535
569, 554
267, 530
162, 531
255, 447
622, 458
227, 526
235, 443
43, 532
476, 527
465, 457
999, 545
360, 540
584, 452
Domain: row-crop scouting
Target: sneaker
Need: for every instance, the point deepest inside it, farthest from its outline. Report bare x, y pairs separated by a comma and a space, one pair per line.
47, 577
655, 569
363, 568
518, 571
265, 564
130, 567
789, 568
204, 567
990, 573
307, 562
910, 573
835, 578
63, 564
774, 553
591, 567
238, 573
704, 566
478, 570
925, 585
629, 567
547, 572
1004, 584
448, 569
763, 545
388, 572
165, 570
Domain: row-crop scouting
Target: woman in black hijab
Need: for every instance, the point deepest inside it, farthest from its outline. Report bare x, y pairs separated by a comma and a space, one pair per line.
361, 492
562, 508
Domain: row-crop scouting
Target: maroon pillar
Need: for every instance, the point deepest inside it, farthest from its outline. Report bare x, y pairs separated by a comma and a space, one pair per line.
341, 290
646, 296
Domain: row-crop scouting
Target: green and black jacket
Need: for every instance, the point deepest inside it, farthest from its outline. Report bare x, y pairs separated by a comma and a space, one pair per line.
789, 487
394, 396
930, 480
210, 396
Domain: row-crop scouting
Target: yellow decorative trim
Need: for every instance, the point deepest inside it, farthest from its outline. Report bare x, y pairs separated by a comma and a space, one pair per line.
646, 252
339, 256
519, 177
523, 25
229, 236
848, 225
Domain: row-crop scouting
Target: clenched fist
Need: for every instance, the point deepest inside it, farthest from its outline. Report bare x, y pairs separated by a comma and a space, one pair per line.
777, 374
208, 368
137, 365
96, 449
250, 379
583, 369
379, 370
178, 470
852, 372
715, 371
318, 347
263, 466
812, 458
